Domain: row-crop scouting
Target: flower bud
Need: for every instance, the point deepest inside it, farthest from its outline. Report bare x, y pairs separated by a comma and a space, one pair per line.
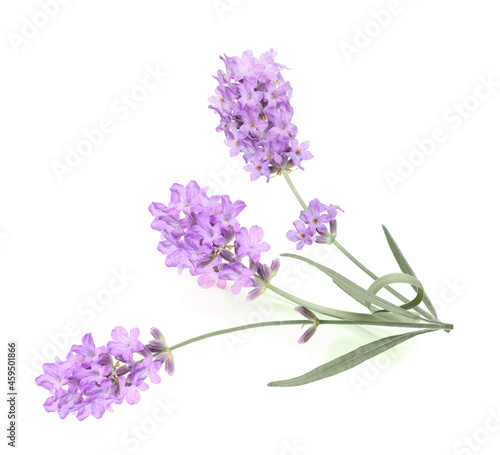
169, 363
258, 289
145, 352
264, 271
228, 236
227, 255
275, 266
162, 357
123, 370
306, 312
333, 228
105, 359
253, 265
306, 336
208, 261
156, 346
157, 335
256, 292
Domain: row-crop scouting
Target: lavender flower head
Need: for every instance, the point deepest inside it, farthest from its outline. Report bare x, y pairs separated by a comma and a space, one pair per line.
90, 380
253, 102
201, 233
312, 225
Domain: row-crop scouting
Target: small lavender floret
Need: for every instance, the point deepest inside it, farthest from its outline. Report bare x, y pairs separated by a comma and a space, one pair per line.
317, 224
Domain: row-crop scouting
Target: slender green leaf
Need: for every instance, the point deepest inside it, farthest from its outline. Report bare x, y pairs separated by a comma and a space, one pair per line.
349, 360
405, 267
404, 278
355, 291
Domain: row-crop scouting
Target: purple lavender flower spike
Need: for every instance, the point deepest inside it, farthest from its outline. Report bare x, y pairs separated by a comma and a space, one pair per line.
89, 381
202, 233
253, 103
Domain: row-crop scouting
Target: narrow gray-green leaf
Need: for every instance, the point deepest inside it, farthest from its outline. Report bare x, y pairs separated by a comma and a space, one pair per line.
355, 291
348, 361
393, 278
405, 267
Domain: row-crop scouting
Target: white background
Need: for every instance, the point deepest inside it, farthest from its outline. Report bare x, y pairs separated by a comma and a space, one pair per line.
362, 109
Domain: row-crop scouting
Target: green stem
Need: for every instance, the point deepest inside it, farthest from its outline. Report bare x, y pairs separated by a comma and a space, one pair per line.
302, 322
359, 264
348, 315
294, 190
375, 277
321, 309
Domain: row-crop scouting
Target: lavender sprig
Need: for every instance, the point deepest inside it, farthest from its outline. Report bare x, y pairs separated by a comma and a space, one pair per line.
316, 224
90, 380
253, 102
201, 233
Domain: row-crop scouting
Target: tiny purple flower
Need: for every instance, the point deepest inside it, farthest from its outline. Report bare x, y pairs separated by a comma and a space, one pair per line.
250, 243
124, 345
252, 124
257, 168
241, 277
147, 369
316, 218
302, 234
132, 392
298, 152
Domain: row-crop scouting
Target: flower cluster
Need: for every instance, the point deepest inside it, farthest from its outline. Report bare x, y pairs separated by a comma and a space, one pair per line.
201, 233
312, 225
90, 380
253, 102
